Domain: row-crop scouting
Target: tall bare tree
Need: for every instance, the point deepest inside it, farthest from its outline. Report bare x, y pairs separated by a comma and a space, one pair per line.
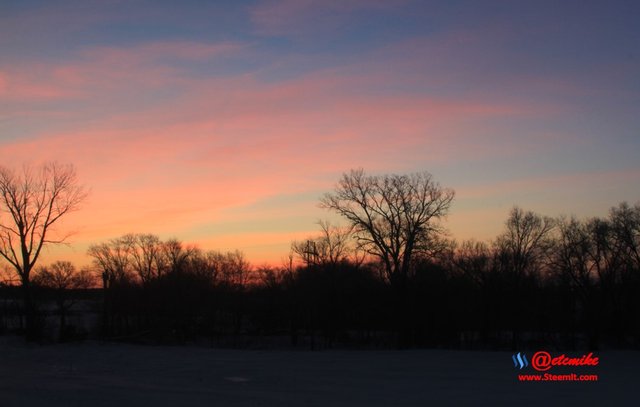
392, 216
522, 250
31, 203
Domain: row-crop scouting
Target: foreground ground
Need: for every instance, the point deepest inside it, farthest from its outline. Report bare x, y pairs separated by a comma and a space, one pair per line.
99, 374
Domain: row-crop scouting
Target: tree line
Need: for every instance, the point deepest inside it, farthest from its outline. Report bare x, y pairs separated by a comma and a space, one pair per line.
388, 276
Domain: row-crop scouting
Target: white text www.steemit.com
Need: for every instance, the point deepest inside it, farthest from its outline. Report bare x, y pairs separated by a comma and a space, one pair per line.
548, 377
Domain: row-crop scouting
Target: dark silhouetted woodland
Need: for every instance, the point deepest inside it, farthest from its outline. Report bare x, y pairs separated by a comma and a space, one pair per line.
387, 276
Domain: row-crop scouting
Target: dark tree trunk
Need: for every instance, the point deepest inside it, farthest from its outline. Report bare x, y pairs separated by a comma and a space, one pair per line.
32, 329
401, 309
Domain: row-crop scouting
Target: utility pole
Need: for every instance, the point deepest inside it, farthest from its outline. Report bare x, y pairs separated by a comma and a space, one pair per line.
311, 253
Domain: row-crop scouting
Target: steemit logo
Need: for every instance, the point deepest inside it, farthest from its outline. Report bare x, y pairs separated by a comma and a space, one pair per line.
520, 360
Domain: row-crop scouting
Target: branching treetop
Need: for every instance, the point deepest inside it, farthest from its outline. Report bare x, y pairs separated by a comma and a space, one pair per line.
31, 202
393, 216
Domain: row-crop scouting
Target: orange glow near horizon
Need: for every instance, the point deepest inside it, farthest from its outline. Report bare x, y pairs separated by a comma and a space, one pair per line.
225, 134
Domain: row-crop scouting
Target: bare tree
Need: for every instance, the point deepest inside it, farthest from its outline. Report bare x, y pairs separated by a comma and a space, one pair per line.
273, 277
525, 241
570, 256
145, 252
235, 270
521, 251
31, 203
392, 216
330, 248
175, 255
205, 265
474, 259
113, 261
62, 277
625, 221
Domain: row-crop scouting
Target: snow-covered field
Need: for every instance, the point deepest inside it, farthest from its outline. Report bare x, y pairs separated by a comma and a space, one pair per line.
105, 374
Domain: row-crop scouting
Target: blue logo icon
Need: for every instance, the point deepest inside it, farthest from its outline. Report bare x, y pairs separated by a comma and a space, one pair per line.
520, 360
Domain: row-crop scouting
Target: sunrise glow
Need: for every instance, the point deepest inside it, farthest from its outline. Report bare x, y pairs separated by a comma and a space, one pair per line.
223, 123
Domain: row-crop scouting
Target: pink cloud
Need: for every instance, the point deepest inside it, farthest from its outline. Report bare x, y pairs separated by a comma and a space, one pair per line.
20, 86
107, 70
161, 165
232, 127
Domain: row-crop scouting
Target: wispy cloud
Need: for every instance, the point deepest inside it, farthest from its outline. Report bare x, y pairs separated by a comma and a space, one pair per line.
178, 125
236, 136
310, 17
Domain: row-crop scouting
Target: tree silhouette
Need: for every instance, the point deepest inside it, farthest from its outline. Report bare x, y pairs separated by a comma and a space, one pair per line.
31, 203
145, 253
112, 260
625, 221
392, 216
332, 247
62, 278
525, 240
616, 256
521, 250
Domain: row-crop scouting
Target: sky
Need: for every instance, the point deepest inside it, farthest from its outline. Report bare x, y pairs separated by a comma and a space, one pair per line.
222, 123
